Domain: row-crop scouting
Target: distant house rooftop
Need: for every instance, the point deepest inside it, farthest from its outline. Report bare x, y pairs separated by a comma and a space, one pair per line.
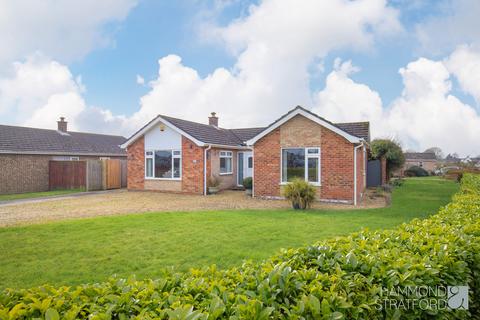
420, 156
25, 140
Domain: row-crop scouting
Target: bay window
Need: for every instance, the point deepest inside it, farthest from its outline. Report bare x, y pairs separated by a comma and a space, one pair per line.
226, 162
302, 163
163, 164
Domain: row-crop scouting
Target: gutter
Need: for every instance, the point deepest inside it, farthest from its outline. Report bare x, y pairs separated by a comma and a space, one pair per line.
205, 169
355, 173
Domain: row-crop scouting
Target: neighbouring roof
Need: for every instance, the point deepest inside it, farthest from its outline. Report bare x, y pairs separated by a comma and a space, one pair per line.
203, 134
420, 156
25, 140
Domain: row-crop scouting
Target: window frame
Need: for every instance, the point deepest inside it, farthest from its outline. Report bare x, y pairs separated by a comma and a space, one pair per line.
175, 154
307, 156
226, 155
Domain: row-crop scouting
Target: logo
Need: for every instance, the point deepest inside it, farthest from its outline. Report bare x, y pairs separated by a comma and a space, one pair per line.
424, 298
457, 297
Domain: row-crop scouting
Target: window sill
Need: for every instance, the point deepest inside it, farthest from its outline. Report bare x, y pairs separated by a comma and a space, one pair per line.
164, 179
315, 184
226, 174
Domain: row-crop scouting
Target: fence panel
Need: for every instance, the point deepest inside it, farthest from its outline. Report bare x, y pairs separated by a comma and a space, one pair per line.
123, 164
94, 175
113, 174
67, 175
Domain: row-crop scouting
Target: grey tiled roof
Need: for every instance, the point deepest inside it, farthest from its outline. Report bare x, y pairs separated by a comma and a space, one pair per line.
357, 129
420, 156
205, 132
237, 137
15, 139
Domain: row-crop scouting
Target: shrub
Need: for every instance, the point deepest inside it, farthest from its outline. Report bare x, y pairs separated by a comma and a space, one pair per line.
341, 278
416, 171
213, 181
397, 182
391, 150
300, 193
248, 183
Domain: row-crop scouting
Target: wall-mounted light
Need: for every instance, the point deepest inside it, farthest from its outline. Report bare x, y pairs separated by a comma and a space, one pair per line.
162, 127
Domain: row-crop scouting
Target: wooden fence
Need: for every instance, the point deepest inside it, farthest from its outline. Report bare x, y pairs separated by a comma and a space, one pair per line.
89, 175
67, 175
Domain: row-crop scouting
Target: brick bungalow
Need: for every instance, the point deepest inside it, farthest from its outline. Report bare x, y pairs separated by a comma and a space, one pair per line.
25, 153
425, 160
176, 155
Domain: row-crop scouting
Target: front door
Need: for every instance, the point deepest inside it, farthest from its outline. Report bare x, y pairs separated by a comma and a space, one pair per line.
244, 166
240, 168
248, 164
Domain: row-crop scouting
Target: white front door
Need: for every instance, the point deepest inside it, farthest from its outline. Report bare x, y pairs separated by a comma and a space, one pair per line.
245, 166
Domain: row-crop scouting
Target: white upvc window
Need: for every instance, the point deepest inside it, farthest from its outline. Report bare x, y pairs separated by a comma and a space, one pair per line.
226, 161
302, 163
163, 164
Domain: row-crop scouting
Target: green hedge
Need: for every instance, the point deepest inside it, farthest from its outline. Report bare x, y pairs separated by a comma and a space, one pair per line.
341, 278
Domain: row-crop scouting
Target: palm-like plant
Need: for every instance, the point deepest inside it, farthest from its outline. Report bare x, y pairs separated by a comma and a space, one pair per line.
300, 193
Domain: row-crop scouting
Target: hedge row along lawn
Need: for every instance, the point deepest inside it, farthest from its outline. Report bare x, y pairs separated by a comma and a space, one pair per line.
91, 250
341, 278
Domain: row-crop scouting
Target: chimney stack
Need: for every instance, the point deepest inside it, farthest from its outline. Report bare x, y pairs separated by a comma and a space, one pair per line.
213, 120
62, 125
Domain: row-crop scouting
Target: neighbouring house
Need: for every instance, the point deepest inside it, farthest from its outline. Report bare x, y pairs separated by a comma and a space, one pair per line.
170, 154
425, 160
25, 153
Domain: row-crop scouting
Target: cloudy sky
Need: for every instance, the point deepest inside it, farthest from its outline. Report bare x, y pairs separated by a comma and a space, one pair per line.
410, 67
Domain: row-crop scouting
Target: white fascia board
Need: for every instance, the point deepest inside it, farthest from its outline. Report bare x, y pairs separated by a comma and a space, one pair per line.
167, 123
349, 137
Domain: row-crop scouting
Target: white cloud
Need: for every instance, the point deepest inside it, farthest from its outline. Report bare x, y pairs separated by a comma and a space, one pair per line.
275, 45
464, 63
140, 80
64, 30
342, 99
40, 90
456, 23
425, 114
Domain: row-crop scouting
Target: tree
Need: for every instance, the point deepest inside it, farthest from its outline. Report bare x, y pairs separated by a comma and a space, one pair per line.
438, 152
391, 150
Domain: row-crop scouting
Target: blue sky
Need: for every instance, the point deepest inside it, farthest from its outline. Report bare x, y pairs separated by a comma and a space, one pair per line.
248, 60
154, 29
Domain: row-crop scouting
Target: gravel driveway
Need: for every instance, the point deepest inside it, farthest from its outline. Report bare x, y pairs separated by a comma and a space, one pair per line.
128, 202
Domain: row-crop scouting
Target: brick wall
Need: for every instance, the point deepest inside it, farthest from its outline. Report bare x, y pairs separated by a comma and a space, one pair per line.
136, 165
192, 167
336, 159
337, 167
383, 163
23, 173
267, 165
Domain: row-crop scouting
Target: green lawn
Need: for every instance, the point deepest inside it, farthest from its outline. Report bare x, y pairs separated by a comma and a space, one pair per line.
80, 251
28, 195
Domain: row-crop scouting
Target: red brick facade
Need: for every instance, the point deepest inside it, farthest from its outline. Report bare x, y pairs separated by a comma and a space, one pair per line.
266, 154
192, 167
337, 167
136, 165
337, 163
